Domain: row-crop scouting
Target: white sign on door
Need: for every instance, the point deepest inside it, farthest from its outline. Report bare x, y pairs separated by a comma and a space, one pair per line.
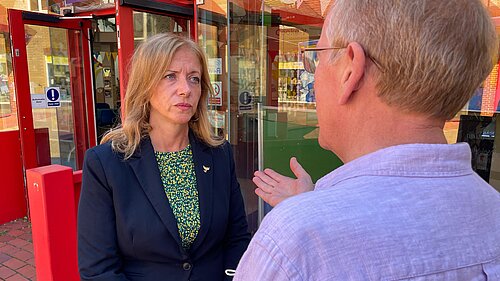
38, 101
216, 98
215, 66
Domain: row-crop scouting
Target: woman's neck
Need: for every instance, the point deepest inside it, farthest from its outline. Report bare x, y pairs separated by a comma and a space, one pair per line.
169, 139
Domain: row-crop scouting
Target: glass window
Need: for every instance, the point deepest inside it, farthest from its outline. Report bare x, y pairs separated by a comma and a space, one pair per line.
265, 69
211, 38
34, 5
8, 107
147, 24
106, 76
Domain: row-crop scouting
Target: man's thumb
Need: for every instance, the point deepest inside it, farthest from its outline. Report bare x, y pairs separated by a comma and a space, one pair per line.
297, 169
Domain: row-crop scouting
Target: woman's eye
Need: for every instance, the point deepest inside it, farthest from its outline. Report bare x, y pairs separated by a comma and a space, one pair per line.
195, 79
170, 76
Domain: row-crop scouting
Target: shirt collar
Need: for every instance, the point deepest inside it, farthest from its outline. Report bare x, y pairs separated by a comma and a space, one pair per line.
417, 160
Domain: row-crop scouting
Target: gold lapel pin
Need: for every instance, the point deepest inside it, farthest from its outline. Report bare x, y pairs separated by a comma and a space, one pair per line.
205, 168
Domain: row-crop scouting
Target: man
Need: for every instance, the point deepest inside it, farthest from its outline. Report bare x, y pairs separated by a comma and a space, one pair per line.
406, 205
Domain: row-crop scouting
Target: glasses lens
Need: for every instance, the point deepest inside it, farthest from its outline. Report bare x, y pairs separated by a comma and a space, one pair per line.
310, 61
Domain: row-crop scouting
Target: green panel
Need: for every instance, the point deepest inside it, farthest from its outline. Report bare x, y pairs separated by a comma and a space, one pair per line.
267, 19
283, 140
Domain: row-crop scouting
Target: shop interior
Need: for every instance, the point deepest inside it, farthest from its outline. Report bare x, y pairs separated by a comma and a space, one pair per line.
106, 75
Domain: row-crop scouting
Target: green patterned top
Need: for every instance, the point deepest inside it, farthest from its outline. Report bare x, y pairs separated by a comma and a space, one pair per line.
179, 182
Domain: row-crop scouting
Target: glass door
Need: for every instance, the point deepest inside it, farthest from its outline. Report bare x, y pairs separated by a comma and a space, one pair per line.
51, 63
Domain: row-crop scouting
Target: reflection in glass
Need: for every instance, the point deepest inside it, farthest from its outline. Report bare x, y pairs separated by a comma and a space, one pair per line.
147, 24
89, 5
8, 108
476, 125
214, 48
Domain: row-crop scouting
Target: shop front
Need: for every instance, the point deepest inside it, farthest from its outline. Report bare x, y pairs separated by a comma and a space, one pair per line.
264, 101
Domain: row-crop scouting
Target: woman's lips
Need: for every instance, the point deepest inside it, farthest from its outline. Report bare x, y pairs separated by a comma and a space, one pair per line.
183, 106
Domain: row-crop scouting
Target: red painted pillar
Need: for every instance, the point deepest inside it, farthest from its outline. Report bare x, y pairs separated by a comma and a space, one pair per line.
194, 23
13, 204
51, 196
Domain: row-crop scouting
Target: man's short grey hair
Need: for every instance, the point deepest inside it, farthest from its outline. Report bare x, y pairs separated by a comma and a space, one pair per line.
434, 53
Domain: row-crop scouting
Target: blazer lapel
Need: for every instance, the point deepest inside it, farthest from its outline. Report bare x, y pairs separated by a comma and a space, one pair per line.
144, 165
202, 158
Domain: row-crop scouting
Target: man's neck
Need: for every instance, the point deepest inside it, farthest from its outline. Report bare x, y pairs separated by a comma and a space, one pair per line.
392, 129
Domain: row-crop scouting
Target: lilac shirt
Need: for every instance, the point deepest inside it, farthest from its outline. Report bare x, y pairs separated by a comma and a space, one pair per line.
408, 212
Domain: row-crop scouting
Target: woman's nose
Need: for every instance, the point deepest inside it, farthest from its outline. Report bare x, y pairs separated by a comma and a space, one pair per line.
183, 87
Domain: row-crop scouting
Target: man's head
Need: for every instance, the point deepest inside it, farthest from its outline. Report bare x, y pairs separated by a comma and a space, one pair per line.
433, 54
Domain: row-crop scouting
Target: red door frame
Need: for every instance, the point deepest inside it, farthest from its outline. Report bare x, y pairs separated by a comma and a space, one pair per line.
125, 36
84, 125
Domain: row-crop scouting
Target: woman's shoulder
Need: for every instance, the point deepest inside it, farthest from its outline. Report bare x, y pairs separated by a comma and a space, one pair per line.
101, 149
223, 152
104, 152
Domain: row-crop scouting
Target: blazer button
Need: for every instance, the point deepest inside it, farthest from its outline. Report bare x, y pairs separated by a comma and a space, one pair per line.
186, 266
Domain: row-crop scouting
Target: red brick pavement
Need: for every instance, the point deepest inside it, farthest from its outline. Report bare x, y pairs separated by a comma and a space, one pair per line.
16, 251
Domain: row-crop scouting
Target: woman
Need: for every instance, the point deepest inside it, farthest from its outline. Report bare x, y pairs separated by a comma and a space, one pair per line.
160, 199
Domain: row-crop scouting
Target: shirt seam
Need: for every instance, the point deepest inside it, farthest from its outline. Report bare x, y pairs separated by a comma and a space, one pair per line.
398, 176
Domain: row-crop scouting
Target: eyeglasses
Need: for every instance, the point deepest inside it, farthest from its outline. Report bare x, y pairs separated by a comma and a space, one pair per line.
310, 58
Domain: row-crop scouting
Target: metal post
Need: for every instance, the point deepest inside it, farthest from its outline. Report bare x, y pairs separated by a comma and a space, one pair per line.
260, 153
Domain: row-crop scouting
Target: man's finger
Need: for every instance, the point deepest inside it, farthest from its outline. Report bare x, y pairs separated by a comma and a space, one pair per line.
274, 175
265, 178
262, 185
268, 198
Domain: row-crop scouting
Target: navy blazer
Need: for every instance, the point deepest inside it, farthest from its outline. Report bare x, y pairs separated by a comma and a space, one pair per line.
127, 230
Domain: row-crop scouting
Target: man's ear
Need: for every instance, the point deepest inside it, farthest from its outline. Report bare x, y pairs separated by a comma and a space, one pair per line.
353, 72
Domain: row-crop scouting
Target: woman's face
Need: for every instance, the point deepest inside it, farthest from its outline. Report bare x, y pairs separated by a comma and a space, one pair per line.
176, 97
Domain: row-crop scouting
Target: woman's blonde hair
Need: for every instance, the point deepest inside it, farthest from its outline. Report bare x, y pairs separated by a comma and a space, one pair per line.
149, 64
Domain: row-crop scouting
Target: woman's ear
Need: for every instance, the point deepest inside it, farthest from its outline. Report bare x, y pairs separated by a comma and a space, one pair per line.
354, 71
